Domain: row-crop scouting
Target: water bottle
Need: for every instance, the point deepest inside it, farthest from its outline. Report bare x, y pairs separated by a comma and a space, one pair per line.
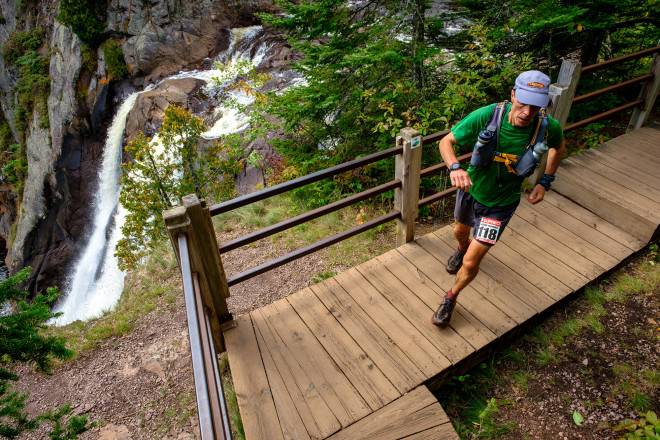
484, 150
540, 148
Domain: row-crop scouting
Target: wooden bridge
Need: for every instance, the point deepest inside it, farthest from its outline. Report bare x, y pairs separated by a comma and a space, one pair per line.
356, 356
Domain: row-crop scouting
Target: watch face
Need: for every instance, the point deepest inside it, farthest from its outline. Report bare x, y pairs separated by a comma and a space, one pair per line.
454, 167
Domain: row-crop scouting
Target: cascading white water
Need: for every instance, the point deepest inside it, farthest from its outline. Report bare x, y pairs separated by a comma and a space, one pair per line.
96, 282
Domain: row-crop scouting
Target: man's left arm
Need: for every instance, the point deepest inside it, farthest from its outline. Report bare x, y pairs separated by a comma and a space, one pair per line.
554, 158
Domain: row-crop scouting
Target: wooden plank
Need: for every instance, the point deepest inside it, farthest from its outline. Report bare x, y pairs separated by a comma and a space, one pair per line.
410, 414
624, 167
358, 367
449, 343
255, 400
640, 142
336, 390
519, 308
492, 317
445, 431
606, 209
640, 160
305, 394
503, 275
530, 271
595, 223
540, 252
392, 361
634, 182
570, 216
393, 323
463, 322
564, 244
296, 420
604, 188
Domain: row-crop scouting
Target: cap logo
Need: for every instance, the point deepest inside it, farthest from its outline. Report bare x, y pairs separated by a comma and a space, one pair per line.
535, 84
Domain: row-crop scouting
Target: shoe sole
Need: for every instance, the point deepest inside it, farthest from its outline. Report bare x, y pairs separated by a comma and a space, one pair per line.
452, 272
439, 325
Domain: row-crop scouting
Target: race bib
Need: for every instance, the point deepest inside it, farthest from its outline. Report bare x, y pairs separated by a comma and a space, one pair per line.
488, 230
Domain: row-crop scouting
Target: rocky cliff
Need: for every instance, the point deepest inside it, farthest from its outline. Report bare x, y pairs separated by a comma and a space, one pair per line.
157, 38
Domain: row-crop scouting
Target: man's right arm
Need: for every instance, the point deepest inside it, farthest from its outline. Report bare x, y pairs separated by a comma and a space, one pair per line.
459, 178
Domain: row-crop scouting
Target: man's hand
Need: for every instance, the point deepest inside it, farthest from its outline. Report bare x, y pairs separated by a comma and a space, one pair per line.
536, 195
460, 179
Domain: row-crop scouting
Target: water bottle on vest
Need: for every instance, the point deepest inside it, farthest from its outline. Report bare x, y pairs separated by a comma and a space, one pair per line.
530, 159
484, 149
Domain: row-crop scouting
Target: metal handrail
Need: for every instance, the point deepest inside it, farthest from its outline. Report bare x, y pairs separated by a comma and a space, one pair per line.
211, 405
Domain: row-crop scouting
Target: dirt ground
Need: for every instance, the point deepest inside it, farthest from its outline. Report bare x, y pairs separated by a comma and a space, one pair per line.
140, 385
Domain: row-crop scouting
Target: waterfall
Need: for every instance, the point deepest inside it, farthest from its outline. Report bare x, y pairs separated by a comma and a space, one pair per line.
96, 282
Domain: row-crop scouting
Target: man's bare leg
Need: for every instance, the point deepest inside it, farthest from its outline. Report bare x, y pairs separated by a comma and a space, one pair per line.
462, 234
470, 268
468, 271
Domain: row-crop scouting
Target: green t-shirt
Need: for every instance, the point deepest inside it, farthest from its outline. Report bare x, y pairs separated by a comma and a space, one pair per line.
494, 185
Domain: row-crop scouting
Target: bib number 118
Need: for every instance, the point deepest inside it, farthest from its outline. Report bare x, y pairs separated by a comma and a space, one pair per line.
488, 230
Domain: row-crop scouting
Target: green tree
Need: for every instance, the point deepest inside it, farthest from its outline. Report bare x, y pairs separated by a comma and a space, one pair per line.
555, 29
369, 70
22, 340
163, 170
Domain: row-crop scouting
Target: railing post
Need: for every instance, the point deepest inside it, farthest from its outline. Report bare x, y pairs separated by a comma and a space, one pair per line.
194, 220
649, 94
406, 198
561, 97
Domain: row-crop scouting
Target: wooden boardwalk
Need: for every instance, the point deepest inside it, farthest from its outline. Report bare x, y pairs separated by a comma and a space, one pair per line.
354, 357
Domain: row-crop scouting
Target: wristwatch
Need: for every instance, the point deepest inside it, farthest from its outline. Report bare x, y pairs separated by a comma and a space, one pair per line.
455, 166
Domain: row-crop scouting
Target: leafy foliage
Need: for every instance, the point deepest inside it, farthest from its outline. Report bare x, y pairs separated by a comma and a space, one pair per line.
22, 340
647, 427
114, 58
165, 169
368, 71
85, 18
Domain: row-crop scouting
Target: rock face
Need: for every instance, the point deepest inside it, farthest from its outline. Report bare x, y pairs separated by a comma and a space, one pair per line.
170, 34
149, 109
158, 37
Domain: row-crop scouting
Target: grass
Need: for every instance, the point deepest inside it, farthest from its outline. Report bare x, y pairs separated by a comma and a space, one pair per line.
472, 400
153, 286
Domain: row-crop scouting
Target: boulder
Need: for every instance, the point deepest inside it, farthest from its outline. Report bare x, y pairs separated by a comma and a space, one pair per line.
149, 109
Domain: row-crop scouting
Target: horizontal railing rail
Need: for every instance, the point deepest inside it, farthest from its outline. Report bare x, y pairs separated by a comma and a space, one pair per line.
644, 79
621, 59
310, 215
605, 115
313, 247
302, 181
211, 405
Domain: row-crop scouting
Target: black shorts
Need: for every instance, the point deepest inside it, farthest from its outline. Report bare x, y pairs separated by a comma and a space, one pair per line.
488, 222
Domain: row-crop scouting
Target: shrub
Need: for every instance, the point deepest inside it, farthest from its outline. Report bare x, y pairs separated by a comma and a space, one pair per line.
114, 58
19, 43
84, 18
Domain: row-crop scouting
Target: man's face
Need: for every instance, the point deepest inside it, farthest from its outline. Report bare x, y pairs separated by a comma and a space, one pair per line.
521, 115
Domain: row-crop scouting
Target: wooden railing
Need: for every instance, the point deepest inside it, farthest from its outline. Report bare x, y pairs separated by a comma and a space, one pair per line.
206, 287
642, 105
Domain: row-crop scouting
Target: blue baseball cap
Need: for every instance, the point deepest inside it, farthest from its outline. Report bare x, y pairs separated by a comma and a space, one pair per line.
532, 87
